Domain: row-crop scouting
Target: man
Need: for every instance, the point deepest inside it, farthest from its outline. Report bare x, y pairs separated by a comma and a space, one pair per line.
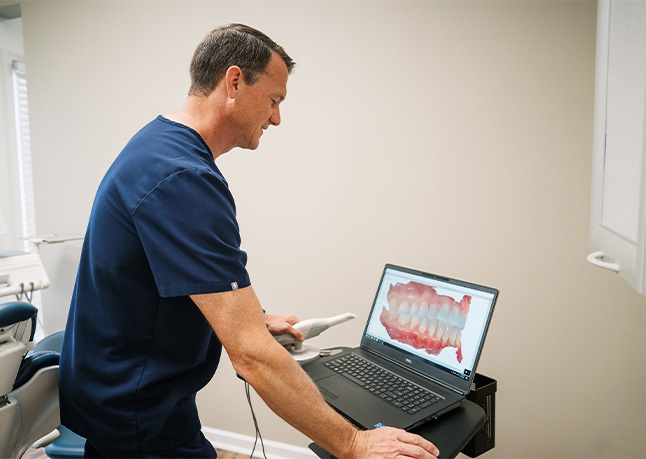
162, 284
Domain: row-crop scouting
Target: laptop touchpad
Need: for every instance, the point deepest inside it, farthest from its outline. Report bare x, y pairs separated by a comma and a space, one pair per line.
335, 386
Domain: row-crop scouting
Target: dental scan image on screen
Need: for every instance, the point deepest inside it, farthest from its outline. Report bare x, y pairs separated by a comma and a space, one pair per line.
442, 324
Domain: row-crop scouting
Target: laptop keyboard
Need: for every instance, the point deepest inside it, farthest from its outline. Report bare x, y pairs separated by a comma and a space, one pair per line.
393, 389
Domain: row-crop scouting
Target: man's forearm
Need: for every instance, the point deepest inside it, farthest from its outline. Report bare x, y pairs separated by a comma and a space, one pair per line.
239, 322
291, 394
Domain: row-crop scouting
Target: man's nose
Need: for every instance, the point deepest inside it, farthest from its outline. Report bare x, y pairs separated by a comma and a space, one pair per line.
275, 117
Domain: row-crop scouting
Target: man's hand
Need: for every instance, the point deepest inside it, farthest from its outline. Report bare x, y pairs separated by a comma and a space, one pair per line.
390, 443
281, 325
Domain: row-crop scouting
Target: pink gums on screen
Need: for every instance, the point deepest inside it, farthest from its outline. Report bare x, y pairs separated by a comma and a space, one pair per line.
418, 316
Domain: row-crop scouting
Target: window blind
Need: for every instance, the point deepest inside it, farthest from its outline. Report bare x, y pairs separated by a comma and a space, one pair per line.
23, 144
21, 110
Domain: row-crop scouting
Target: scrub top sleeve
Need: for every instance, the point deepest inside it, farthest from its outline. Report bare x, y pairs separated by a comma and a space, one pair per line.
190, 234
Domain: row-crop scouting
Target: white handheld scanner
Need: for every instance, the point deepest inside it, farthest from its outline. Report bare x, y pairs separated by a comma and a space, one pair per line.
313, 327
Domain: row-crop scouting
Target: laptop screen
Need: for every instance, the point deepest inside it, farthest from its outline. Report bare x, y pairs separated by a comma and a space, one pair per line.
430, 323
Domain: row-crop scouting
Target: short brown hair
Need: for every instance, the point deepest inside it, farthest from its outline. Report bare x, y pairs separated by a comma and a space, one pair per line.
226, 46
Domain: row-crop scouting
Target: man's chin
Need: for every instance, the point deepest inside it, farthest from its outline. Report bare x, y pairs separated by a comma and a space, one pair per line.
249, 146
254, 145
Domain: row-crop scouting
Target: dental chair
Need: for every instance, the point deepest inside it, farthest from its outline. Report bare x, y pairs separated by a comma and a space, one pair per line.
29, 410
68, 445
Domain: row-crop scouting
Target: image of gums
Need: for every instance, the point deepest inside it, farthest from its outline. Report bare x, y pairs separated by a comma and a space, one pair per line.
418, 316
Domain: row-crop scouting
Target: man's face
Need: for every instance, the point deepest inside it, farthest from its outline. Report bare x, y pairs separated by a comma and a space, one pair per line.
258, 104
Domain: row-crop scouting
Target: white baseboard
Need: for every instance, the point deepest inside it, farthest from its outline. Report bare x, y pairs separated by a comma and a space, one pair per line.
243, 444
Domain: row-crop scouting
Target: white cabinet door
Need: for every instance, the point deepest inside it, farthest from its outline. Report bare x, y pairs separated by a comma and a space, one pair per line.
618, 214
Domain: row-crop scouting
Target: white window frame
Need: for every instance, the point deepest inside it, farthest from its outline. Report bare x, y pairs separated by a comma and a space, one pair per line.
11, 208
23, 150
18, 209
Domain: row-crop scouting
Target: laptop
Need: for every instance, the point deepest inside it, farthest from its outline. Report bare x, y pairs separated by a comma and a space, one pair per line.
424, 336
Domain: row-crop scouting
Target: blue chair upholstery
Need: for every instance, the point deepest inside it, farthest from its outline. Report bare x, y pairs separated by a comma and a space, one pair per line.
18, 311
67, 445
32, 363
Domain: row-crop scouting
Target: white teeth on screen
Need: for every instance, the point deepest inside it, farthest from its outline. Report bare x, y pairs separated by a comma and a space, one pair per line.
452, 336
446, 335
445, 313
441, 327
420, 316
432, 326
403, 319
447, 328
455, 317
443, 323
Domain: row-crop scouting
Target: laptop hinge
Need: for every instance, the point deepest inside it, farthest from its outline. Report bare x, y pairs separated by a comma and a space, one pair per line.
416, 372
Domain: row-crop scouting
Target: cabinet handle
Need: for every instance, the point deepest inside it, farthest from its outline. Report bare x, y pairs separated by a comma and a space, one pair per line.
595, 259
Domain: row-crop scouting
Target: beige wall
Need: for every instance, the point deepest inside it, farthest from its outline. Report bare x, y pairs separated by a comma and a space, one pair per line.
453, 137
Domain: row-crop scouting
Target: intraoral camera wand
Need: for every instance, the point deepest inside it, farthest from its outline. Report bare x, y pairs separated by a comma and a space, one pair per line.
310, 328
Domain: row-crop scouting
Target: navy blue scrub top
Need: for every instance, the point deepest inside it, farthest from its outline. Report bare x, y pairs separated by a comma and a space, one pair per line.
137, 349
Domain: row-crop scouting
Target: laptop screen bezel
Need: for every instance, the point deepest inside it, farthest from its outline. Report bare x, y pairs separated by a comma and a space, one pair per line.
414, 363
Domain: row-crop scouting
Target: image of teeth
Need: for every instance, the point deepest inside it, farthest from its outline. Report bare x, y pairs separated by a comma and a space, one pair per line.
417, 315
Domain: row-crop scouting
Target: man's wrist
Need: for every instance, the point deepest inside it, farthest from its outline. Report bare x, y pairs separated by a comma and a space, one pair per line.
348, 444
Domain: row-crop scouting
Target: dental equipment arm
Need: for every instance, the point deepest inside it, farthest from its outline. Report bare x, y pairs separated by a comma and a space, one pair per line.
21, 273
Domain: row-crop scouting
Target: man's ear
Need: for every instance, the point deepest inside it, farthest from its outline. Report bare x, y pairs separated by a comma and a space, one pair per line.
233, 79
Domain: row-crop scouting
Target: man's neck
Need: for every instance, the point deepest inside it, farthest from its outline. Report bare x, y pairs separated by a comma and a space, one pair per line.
201, 114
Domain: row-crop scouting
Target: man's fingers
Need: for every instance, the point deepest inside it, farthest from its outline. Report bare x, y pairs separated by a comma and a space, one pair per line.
285, 328
390, 443
416, 444
409, 450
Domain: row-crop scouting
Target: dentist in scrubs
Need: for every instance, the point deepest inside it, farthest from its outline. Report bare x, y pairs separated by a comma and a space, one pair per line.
162, 284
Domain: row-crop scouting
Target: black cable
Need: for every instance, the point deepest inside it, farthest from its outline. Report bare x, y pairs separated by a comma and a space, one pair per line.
255, 423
